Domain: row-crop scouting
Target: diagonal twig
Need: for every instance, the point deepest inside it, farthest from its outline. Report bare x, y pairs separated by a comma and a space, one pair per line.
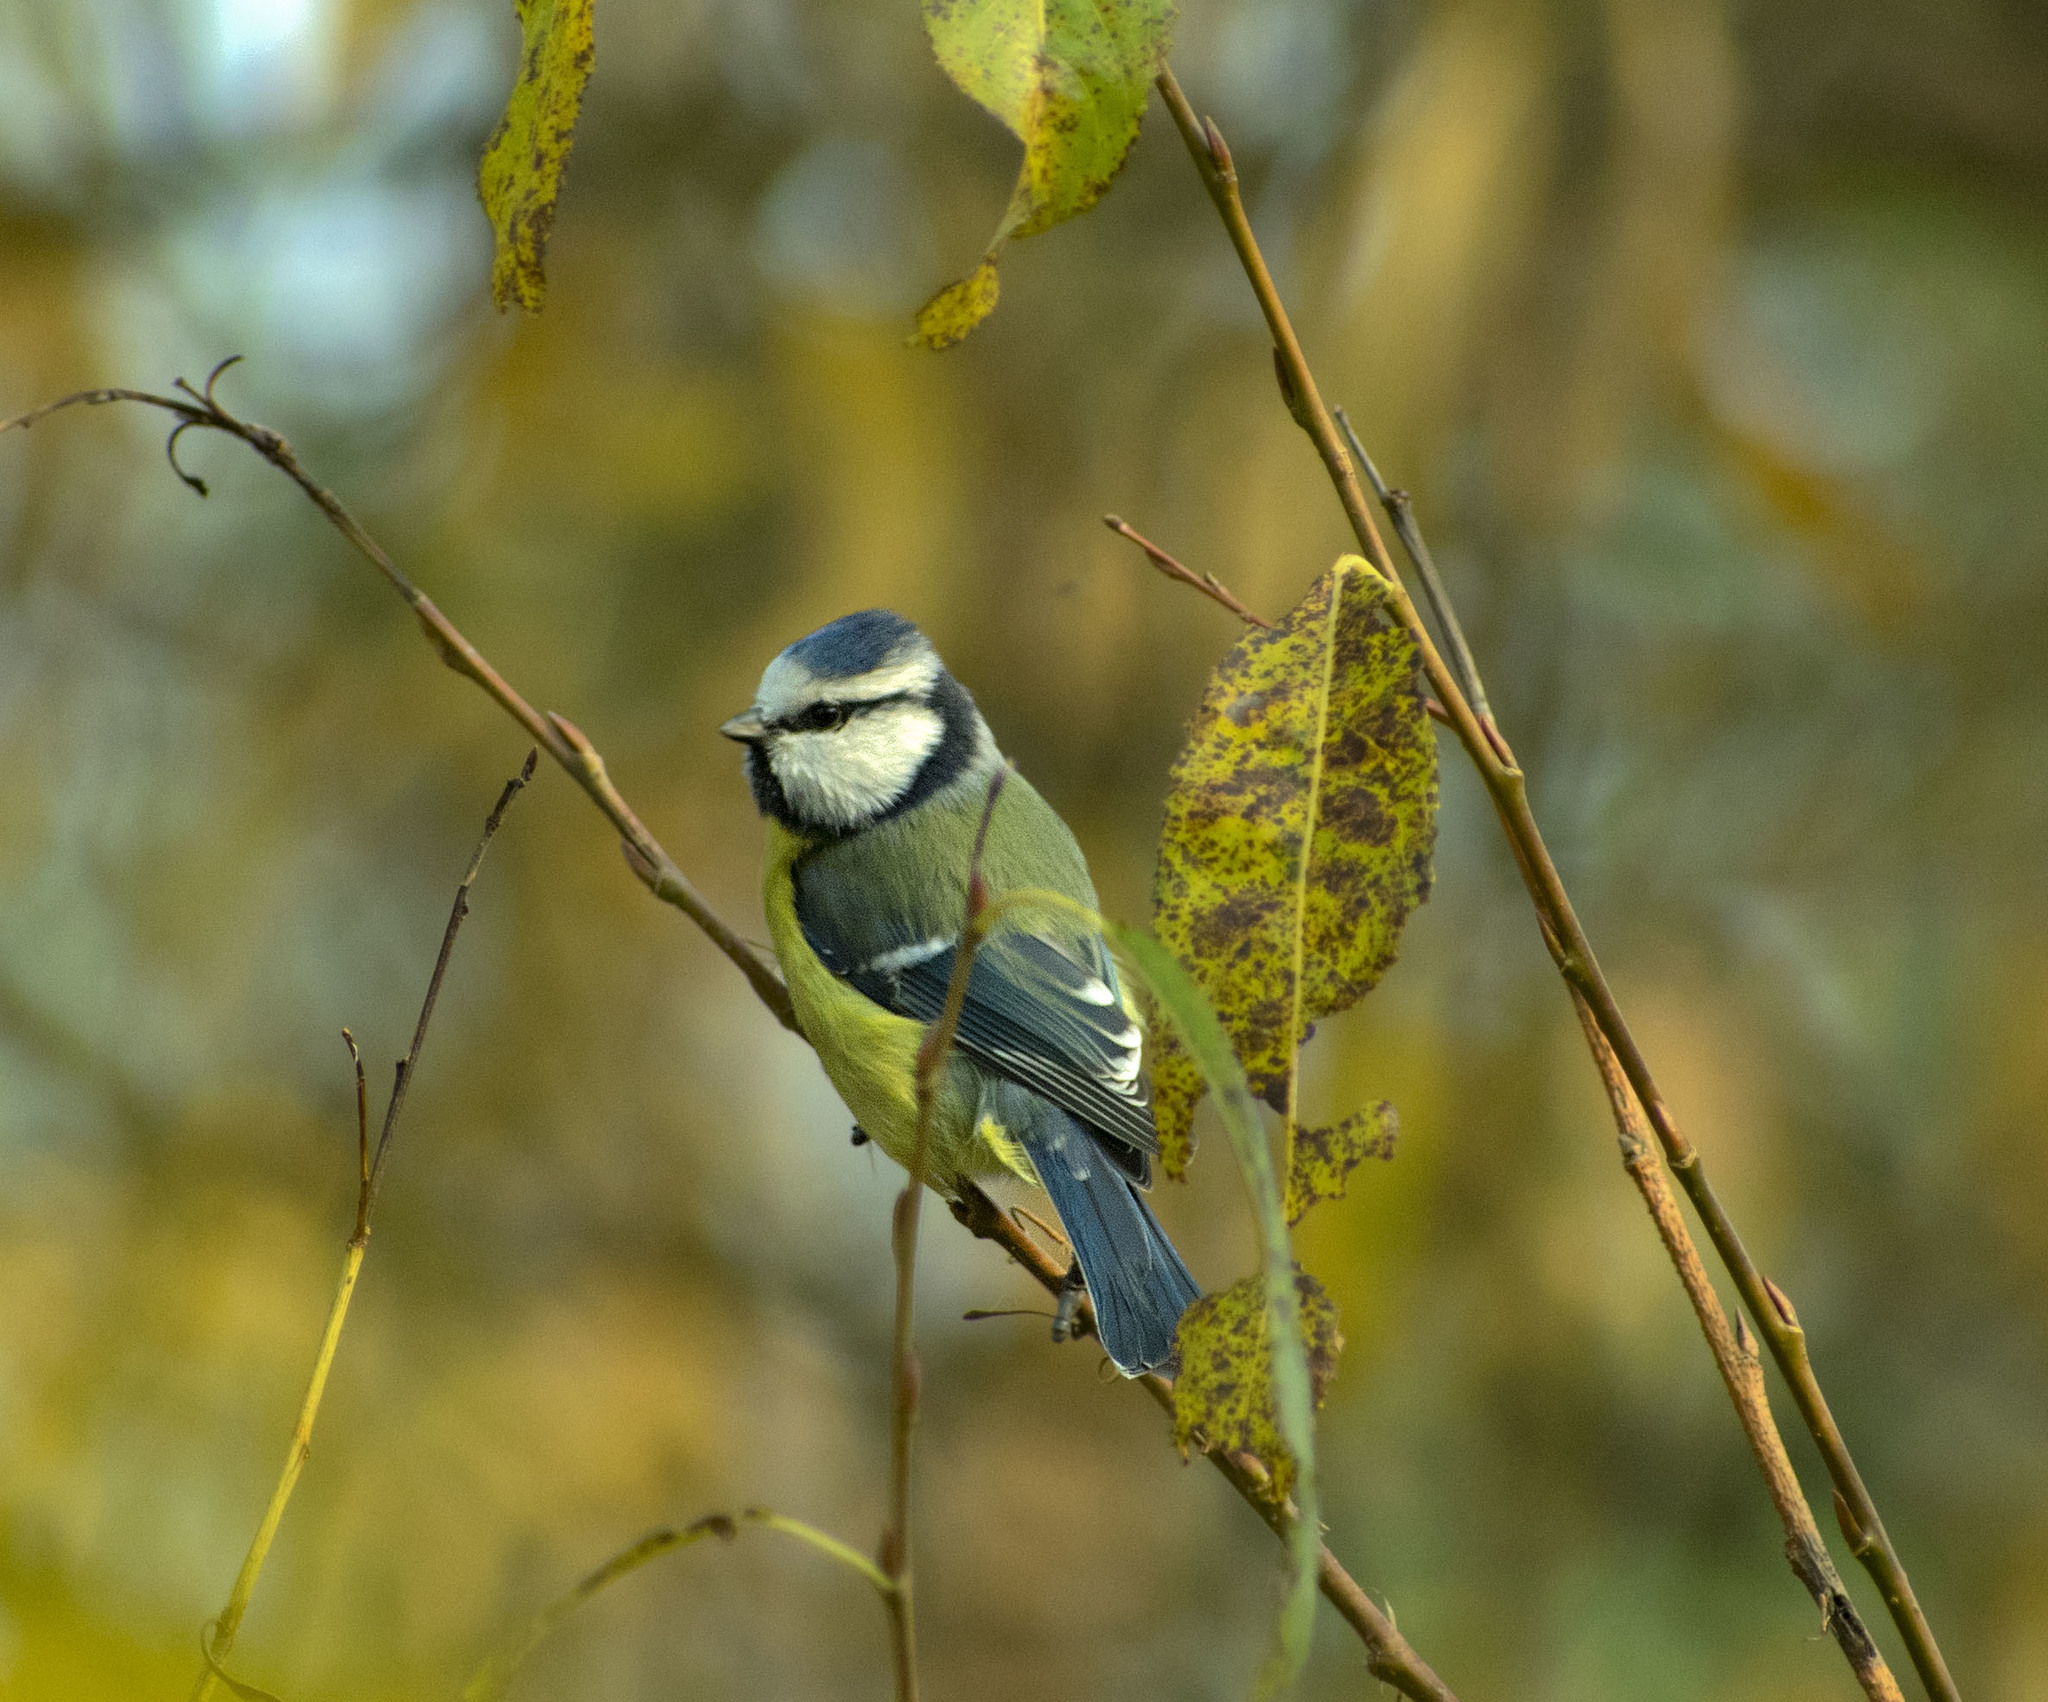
1206, 583
561, 739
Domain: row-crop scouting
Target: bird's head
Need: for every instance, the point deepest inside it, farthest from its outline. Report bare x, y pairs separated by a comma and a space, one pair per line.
857, 723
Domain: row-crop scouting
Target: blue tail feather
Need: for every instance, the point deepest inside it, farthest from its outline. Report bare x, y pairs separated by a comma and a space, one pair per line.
1137, 1281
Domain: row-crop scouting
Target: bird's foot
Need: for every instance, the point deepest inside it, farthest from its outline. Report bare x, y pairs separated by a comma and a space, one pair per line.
1071, 1291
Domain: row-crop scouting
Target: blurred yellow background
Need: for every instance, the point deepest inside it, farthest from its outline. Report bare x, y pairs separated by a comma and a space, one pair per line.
1714, 343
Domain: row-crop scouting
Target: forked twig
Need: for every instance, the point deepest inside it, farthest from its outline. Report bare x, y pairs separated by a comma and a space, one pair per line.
1401, 511
1562, 931
219, 1640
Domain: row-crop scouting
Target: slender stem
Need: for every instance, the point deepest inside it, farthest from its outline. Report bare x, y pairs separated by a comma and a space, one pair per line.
1206, 583
1389, 1655
221, 1642
1506, 785
559, 738
1742, 1372
229, 1625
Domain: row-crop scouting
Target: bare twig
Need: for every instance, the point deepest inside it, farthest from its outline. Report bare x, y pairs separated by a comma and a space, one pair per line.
1206, 583
220, 1641
1389, 1656
1733, 1350
1566, 937
559, 738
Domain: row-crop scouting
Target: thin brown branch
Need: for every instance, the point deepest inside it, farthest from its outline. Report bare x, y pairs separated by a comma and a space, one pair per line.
1206, 583
402, 1078
559, 738
1507, 786
1742, 1371
1389, 1656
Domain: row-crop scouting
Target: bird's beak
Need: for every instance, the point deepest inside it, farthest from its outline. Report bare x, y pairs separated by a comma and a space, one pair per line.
745, 727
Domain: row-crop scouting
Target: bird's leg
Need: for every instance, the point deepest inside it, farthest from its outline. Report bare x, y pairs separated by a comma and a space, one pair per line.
1071, 1291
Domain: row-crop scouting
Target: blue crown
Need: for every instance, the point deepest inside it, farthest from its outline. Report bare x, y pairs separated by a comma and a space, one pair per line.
856, 644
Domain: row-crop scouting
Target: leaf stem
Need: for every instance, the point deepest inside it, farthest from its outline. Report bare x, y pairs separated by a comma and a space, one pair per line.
1569, 944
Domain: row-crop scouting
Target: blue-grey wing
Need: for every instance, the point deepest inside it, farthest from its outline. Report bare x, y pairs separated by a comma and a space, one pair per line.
1033, 1014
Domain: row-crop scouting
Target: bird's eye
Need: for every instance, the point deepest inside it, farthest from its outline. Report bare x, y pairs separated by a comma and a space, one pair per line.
824, 717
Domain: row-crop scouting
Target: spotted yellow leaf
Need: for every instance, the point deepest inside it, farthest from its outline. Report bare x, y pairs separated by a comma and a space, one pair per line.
521, 173
1324, 1158
1223, 1396
1300, 821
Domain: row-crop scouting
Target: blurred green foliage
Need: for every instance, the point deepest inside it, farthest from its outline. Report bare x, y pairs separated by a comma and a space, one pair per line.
1711, 341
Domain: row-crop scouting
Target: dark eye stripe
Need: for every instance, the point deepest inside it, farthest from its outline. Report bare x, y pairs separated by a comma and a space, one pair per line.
826, 717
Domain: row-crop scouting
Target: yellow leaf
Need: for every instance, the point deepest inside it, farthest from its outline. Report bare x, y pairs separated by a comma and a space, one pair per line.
1223, 1396
1070, 79
521, 173
1299, 827
958, 308
1325, 1158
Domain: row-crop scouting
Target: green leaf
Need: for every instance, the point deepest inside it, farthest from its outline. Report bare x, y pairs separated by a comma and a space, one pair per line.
1325, 1158
521, 173
1299, 827
1223, 1397
1070, 79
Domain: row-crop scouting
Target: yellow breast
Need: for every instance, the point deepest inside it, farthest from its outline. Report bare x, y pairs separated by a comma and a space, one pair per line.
869, 1053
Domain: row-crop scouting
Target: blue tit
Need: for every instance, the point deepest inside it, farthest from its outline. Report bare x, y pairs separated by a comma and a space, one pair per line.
872, 767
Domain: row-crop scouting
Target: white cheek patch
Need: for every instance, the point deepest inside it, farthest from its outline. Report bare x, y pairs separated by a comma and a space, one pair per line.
845, 777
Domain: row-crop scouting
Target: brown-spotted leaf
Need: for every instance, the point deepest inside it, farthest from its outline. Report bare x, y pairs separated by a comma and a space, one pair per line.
1223, 1396
1299, 826
521, 172
958, 308
1324, 1158
1070, 79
